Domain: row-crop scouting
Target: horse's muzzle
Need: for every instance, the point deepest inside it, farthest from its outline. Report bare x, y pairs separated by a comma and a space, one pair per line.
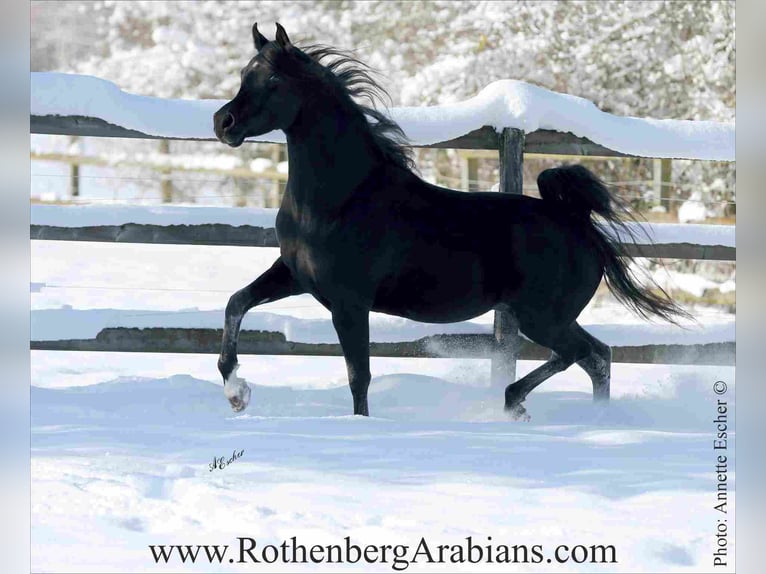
223, 123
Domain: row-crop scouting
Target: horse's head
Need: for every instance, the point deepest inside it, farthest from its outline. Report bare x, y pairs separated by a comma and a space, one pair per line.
266, 99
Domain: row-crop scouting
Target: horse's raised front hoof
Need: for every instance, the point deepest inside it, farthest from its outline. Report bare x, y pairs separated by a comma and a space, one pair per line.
517, 412
237, 391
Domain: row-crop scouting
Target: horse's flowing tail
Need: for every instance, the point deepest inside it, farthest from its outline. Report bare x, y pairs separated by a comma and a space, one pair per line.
579, 193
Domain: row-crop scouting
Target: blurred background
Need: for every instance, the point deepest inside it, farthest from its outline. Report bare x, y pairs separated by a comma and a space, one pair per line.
646, 59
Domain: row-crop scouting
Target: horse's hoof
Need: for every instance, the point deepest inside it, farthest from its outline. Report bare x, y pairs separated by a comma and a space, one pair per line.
517, 412
237, 391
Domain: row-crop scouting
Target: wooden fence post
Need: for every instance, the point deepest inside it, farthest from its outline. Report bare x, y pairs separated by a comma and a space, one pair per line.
666, 185
74, 180
74, 173
166, 185
473, 173
511, 146
662, 178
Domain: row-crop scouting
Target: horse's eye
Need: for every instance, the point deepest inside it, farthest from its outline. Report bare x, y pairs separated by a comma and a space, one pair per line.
273, 79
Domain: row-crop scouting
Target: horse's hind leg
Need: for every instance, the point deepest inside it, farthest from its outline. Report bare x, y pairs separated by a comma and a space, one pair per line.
568, 346
598, 365
276, 283
515, 393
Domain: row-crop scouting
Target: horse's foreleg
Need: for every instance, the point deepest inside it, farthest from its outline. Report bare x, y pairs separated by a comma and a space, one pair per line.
353, 328
276, 283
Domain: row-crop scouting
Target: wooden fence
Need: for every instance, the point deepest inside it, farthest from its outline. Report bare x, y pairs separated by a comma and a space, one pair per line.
504, 347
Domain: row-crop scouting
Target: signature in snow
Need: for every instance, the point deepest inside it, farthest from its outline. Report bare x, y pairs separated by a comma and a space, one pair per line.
223, 462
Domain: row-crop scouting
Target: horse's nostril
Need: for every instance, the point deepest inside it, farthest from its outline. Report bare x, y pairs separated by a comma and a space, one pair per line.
228, 121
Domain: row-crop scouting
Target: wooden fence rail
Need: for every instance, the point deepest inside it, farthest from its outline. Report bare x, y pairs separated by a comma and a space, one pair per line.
251, 236
467, 346
504, 347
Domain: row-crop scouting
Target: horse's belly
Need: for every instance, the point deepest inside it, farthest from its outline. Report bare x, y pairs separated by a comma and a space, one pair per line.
453, 294
432, 283
431, 314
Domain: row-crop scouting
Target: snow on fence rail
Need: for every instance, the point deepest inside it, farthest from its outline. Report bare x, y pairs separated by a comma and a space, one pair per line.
509, 116
72, 104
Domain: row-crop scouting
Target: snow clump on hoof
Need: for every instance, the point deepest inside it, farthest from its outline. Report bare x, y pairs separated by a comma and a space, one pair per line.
517, 412
237, 391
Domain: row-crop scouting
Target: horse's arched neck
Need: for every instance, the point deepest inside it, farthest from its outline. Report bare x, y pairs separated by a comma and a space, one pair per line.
329, 153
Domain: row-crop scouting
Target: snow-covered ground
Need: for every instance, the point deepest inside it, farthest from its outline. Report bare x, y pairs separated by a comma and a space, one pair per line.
124, 464
122, 443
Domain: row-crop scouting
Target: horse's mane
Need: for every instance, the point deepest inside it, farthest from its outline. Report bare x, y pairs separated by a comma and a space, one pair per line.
355, 79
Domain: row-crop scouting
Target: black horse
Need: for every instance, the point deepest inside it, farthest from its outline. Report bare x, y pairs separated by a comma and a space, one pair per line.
361, 232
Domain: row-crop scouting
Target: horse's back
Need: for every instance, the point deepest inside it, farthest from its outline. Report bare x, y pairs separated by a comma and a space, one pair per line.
460, 254
494, 224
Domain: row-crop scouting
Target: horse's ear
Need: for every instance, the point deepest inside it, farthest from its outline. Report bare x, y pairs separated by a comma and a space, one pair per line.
259, 39
282, 38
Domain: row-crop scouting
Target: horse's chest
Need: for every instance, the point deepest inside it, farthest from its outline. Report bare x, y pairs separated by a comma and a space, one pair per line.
306, 260
311, 254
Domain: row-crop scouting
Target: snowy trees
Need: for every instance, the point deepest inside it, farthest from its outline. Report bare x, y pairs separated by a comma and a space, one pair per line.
641, 58
655, 59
